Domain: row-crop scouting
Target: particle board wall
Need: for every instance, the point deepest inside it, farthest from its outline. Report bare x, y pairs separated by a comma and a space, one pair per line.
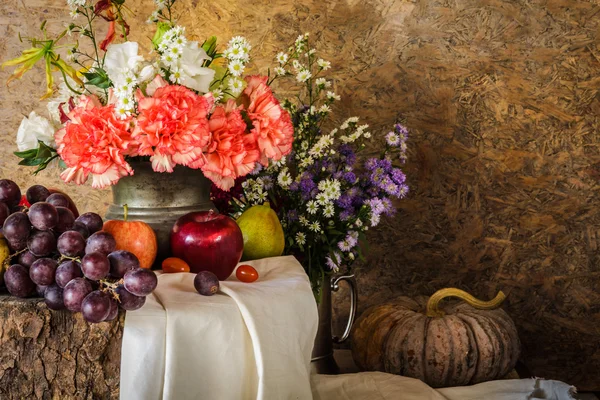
502, 100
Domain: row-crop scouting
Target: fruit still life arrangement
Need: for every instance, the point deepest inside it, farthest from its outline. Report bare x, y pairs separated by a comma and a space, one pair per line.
49, 250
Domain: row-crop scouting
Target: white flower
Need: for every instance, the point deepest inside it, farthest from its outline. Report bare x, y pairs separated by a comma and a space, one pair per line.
279, 71
160, 4
121, 58
123, 112
325, 65
328, 210
282, 58
324, 109
312, 207
351, 256
311, 52
218, 95
236, 67
153, 17
238, 41
193, 74
74, 4
367, 135
353, 120
284, 179
345, 245
358, 223
333, 96
176, 75
235, 86
306, 162
303, 76
33, 129
315, 227
323, 83
147, 73
322, 199
300, 238
303, 220
297, 66
375, 218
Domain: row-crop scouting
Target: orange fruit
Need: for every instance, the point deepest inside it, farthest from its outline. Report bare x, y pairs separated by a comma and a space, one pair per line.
174, 264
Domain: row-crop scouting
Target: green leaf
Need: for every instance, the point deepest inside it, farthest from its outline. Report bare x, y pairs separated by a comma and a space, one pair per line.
31, 162
26, 154
210, 46
98, 78
61, 163
44, 151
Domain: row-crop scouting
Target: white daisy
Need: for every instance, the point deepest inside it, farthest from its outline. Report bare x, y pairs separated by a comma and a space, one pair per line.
236, 67
282, 58
280, 71
328, 210
300, 238
236, 86
315, 226
284, 179
324, 109
303, 220
333, 96
325, 65
312, 207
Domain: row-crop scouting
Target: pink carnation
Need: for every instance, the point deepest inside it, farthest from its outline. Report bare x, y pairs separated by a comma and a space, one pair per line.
172, 127
94, 141
273, 126
231, 152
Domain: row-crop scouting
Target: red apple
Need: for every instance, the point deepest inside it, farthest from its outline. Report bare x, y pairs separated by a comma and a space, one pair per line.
136, 237
72, 205
208, 241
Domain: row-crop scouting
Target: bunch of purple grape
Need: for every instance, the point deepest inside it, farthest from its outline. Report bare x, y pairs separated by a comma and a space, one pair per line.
69, 261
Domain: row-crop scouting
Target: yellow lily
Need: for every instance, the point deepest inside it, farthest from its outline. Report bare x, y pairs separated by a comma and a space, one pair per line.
28, 58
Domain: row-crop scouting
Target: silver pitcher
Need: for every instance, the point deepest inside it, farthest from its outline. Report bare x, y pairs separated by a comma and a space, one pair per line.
159, 199
322, 361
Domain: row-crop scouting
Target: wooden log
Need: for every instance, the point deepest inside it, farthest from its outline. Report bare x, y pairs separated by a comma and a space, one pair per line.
48, 354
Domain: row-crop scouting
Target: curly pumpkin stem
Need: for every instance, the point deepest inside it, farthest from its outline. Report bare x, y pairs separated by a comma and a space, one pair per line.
433, 310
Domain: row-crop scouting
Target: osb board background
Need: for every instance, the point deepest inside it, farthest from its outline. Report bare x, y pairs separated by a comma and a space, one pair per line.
502, 100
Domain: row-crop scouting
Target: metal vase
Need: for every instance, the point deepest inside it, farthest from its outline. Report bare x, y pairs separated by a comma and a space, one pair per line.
322, 361
159, 199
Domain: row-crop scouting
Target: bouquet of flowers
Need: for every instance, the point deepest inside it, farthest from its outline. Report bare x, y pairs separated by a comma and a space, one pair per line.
325, 195
188, 105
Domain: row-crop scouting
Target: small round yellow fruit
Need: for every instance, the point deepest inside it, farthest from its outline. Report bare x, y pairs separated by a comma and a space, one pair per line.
262, 231
4, 254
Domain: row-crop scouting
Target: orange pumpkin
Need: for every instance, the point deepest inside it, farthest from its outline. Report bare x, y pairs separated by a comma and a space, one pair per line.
460, 344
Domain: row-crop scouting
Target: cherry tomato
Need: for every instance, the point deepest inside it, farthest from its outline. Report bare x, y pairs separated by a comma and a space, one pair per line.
246, 273
174, 264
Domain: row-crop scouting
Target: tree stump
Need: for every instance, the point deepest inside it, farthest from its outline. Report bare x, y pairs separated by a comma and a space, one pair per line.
47, 354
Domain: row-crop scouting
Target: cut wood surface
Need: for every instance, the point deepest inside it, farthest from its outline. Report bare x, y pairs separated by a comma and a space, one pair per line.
56, 354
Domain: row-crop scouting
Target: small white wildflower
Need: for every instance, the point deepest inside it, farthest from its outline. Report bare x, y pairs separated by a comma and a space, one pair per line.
303, 76
367, 135
323, 83
303, 220
315, 226
236, 86
236, 67
300, 238
306, 162
297, 66
351, 256
322, 199
324, 109
328, 210
282, 58
74, 4
353, 120
311, 52
358, 223
218, 95
312, 207
284, 179
280, 71
175, 76
153, 17
375, 218
333, 96
160, 4
304, 145
325, 65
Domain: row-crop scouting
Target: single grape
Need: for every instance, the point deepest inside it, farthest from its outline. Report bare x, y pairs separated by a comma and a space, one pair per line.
10, 193
66, 220
114, 310
95, 266
41, 243
27, 258
66, 272
140, 282
129, 301
16, 230
37, 193
122, 261
71, 244
81, 228
92, 221
42, 271
57, 200
95, 307
18, 282
102, 242
43, 216
74, 293
4, 212
53, 297
41, 290
206, 283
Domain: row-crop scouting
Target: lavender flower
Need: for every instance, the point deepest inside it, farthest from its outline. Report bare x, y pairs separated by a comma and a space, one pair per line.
398, 176
350, 177
334, 260
294, 186
292, 215
377, 206
371, 164
388, 207
392, 139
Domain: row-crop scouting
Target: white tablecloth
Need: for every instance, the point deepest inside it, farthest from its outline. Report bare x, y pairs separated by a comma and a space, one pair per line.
249, 341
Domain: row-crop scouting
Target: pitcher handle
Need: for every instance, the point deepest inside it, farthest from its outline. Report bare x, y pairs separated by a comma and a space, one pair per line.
353, 303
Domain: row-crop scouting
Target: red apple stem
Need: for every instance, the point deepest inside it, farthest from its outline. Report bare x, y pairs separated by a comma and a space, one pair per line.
125, 212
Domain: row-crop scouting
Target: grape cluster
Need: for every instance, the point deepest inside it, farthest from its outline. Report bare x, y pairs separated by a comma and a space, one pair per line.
69, 261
